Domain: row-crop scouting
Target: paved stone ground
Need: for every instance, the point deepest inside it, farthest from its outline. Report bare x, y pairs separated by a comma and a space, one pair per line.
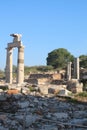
36, 112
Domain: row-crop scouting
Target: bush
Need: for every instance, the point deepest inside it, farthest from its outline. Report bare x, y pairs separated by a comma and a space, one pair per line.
83, 94
31, 88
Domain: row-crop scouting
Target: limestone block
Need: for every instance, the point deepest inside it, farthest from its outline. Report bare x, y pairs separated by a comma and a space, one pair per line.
56, 76
55, 88
43, 89
64, 92
42, 80
75, 86
25, 90
14, 91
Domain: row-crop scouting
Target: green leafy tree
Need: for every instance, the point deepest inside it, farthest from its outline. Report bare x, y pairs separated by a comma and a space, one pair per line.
14, 71
83, 61
2, 74
58, 58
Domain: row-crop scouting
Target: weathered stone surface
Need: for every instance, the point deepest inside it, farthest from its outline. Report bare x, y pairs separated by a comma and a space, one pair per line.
23, 104
61, 115
58, 82
25, 90
3, 97
46, 75
1, 90
20, 66
49, 127
43, 89
30, 119
75, 86
15, 91
35, 111
55, 88
56, 76
80, 114
64, 92
79, 121
43, 78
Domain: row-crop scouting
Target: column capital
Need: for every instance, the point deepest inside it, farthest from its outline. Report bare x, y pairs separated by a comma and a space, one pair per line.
16, 37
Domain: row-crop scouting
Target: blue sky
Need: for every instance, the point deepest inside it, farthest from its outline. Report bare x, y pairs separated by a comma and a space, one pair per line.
45, 25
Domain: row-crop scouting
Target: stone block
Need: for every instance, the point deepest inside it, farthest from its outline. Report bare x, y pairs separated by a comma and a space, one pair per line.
54, 89
64, 92
56, 76
75, 86
13, 91
43, 89
42, 80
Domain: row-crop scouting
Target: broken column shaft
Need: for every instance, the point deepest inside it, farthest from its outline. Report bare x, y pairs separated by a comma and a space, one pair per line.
20, 66
76, 68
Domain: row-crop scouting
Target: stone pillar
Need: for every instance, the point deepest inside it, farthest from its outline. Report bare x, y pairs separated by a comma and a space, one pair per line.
76, 68
69, 71
6, 68
9, 66
20, 65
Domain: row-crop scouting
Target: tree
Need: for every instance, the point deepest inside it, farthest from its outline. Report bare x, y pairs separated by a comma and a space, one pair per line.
14, 68
83, 61
59, 58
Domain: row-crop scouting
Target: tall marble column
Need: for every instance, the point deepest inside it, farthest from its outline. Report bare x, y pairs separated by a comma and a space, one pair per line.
69, 71
20, 65
9, 66
76, 68
6, 68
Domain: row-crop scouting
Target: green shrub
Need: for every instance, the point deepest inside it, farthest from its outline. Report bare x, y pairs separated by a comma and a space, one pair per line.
83, 94
31, 88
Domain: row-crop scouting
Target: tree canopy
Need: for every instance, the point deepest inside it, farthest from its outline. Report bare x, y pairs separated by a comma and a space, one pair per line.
58, 58
83, 61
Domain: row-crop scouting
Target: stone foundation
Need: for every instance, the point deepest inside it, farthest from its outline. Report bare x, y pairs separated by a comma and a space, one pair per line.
75, 86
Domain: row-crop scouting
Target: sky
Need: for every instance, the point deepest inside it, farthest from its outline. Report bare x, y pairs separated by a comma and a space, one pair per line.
45, 25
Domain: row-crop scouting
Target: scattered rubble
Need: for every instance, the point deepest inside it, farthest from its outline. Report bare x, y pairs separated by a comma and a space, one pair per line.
32, 110
37, 105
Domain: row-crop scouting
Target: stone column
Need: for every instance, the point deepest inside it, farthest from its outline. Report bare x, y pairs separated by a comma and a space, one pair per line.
20, 65
6, 68
76, 68
9, 66
69, 71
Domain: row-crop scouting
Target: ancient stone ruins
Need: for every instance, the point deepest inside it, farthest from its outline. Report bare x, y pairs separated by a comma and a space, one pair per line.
20, 68
38, 101
46, 82
20, 63
76, 69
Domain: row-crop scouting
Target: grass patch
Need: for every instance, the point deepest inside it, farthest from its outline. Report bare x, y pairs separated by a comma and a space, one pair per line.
36, 69
73, 100
83, 94
81, 97
31, 88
